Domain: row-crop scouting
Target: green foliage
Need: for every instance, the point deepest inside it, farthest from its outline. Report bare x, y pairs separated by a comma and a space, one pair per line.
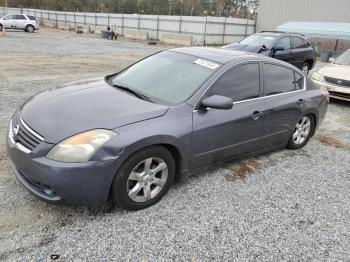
163, 7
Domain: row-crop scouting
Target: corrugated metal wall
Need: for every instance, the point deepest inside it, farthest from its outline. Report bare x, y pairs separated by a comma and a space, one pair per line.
208, 30
273, 13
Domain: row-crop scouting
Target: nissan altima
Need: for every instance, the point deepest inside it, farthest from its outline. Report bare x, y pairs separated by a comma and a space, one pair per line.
127, 136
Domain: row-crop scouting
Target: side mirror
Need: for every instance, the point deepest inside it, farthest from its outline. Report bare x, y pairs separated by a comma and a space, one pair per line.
331, 60
217, 102
280, 48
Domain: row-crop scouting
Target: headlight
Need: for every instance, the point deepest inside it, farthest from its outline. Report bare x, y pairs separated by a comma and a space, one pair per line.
317, 76
80, 148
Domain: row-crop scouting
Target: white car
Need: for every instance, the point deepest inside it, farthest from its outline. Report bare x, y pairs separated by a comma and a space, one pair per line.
335, 77
20, 21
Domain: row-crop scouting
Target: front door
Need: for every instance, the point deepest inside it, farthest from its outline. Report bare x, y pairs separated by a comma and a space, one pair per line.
21, 22
225, 134
284, 55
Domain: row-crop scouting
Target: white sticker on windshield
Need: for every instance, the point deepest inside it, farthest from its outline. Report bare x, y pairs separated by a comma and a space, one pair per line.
206, 63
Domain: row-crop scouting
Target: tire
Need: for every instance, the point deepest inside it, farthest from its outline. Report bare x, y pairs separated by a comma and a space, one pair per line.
305, 68
1, 28
303, 130
30, 29
135, 186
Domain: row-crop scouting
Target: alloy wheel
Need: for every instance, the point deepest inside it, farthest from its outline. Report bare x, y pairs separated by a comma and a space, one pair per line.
147, 179
302, 130
30, 29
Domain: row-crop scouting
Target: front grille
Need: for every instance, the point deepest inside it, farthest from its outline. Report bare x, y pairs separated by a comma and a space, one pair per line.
340, 95
337, 81
23, 134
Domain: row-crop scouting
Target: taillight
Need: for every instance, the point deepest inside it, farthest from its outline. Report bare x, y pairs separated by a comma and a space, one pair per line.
325, 92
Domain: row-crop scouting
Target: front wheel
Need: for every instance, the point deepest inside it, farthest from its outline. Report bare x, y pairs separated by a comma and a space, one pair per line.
30, 29
302, 132
144, 178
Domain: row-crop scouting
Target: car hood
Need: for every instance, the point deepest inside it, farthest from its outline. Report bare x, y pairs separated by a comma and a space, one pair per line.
336, 71
61, 112
247, 48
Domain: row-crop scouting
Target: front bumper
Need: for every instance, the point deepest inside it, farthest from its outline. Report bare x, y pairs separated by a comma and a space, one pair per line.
335, 91
78, 184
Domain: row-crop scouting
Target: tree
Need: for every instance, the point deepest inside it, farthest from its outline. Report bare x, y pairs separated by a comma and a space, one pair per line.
244, 8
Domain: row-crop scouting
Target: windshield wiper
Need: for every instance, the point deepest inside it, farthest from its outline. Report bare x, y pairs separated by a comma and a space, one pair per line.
135, 93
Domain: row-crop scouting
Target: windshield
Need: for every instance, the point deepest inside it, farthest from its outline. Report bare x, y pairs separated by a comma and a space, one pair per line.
167, 77
259, 40
343, 59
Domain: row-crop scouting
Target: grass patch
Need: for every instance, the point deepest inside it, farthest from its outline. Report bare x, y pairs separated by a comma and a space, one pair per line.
243, 170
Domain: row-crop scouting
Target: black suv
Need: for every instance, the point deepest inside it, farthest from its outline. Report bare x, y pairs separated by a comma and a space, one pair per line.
293, 48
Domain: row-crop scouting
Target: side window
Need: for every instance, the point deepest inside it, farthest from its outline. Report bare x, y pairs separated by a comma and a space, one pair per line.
285, 42
239, 83
306, 44
278, 79
296, 42
299, 81
20, 17
10, 17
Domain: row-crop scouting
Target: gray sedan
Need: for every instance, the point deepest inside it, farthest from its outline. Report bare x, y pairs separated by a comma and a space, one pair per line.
128, 136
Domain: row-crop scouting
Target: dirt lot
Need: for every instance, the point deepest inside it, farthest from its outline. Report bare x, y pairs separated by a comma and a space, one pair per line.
287, 205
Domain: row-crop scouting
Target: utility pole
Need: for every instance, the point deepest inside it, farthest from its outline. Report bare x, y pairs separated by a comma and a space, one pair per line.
170, 6
181, 2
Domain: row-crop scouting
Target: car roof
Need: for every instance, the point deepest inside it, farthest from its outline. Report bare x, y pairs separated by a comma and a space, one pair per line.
280, 33
223, 56
218, 55
15, 14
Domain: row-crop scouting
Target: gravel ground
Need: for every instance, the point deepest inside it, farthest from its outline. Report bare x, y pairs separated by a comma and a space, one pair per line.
283, 206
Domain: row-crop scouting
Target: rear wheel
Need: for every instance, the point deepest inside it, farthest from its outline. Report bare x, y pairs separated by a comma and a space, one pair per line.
1, 28
30, 29
305, 68
303, 130
144, 178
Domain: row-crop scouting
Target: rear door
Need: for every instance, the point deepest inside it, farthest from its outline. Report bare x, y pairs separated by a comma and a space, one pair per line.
10, 22
284, 55
283, 103
298, 51
225, 134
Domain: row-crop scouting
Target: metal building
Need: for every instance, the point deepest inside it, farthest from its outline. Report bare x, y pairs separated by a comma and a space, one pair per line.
273, 13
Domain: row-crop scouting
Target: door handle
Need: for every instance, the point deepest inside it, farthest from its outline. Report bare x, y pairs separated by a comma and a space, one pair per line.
300, 102
256, 115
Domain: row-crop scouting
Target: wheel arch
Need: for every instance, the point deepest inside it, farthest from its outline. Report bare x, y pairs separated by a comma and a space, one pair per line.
315, 119
29, 25
310, 62
174, 151
177, 150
